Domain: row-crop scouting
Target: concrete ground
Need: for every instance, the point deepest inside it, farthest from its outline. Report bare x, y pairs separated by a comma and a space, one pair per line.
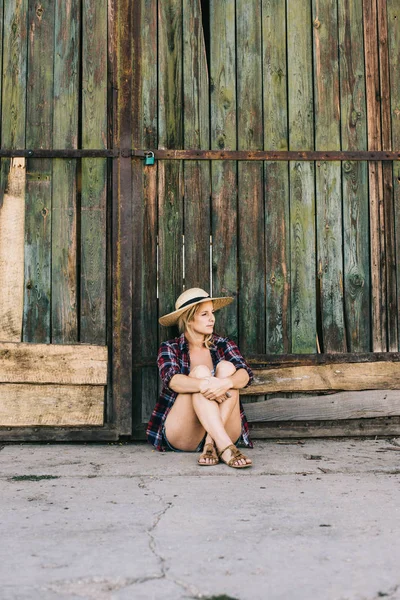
311, 520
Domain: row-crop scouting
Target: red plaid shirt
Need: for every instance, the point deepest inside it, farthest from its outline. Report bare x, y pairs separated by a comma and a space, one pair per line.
173, 358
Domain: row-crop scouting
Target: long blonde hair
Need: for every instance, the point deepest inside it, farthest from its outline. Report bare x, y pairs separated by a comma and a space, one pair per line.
184, 324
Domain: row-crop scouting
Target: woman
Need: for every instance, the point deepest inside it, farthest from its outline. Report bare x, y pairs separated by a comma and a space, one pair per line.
199, 407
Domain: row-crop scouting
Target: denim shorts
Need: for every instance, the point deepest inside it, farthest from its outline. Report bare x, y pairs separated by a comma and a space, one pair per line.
171, 447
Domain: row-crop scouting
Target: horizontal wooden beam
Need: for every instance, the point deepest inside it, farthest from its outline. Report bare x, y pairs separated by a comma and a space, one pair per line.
165, 154
76, 364
49, 405
336, 376
107, 433
340, 406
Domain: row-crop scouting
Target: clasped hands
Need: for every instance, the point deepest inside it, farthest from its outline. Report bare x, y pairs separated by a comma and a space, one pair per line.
216, 389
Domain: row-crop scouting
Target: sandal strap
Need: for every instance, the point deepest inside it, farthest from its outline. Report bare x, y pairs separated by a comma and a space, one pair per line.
236, 454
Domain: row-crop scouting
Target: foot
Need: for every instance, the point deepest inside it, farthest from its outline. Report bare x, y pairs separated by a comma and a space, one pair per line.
209, 456
234, 458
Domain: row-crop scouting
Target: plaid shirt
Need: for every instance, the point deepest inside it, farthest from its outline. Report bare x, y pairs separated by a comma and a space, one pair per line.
173, 358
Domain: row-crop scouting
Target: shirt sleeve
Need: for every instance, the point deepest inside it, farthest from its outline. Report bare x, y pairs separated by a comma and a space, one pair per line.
232, 353
168, 363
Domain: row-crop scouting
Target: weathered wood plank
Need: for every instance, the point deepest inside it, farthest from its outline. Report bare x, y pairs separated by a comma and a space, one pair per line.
355, 178
276, 177
12, 227
328, 177
170, 184
344, 405
64, 317
273, 360
49, 405
385, 426
106, 433
251, 242
196, 125
377, 221
302, 196
94, 173
47, 363
39, 128
371, 376
1, 63
224, 173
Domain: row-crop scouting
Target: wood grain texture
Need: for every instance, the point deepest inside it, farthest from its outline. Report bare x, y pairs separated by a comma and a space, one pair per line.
355, 177
48, 363
24, 405
251, 243
344, 405
94, 173
385, 426
12, 227
276, 177
328, 177
224, 174
302, 195
106, 433
372, 376
64, 317
39, 128
170, 175
196, 126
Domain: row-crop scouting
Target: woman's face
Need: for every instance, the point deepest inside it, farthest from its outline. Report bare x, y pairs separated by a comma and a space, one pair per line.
204, 319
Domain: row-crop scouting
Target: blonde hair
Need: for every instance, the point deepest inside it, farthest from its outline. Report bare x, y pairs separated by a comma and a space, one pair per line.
186, 318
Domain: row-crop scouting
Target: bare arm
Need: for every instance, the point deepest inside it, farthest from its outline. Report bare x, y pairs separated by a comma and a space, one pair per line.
183, 384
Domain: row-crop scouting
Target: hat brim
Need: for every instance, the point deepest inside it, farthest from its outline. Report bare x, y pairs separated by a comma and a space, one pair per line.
172, 318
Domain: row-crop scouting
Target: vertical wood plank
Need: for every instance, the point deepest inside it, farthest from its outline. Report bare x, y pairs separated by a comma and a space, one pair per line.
144, 205
355, 178
276, 178
39, 129
393, 22
94, 173
64, 317
196, 135
122, 238
251, 247
388, 198
170, 186
302, 196
328, 177
377, 222
224, 173
1, 63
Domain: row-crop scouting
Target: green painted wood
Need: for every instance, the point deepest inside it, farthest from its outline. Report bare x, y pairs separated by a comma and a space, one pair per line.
251, 246
355, 178
302, 196
224, 173
64, 317
170, 182
393, 20
39, 127
1, 63
328, 178
144, 204
94, 173
14, 50
276, 178
197, 184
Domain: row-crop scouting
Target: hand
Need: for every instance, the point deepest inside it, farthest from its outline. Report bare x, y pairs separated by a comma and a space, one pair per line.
216, 389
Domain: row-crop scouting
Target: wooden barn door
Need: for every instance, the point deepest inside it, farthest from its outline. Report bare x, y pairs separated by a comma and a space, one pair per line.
54, 232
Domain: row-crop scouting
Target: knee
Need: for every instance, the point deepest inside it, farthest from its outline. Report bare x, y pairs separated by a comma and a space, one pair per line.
225, 369
200, 371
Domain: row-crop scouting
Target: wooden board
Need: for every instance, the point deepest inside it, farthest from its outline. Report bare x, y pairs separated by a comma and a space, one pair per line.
342, 376
12, 227
344, 405
64, 307
276, 177
302, 195
224, 174
106, 433
47, 363
48, 405
94, 173
355, 178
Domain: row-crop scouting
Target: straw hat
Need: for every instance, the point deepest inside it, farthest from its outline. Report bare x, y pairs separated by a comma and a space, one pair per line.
188, 299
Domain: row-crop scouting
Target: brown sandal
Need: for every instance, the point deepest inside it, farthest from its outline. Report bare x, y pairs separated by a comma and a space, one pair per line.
236, 455
208, 452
